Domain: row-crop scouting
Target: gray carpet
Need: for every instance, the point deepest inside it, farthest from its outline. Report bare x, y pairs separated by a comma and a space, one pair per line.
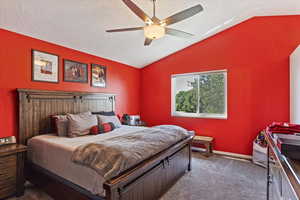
220, 178
214, 178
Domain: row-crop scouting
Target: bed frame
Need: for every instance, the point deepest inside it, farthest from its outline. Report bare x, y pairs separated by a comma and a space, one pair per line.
148, 180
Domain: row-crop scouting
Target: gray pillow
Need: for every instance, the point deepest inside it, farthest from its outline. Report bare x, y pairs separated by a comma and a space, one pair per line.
62, 124
80, 124
113, 119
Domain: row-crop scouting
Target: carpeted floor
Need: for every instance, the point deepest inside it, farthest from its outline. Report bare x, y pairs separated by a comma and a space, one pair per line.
214, 178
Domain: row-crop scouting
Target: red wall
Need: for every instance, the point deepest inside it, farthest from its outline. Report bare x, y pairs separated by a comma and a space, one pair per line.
15, 72
256, 54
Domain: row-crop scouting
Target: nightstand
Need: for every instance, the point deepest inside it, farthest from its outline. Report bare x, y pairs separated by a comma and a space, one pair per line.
12, 180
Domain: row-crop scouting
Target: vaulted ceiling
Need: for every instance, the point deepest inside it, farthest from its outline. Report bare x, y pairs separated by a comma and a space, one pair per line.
81, 24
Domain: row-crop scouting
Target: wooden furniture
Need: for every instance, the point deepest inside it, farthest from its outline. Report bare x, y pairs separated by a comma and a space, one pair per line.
12, 170
148, 180
283, 174
206, 141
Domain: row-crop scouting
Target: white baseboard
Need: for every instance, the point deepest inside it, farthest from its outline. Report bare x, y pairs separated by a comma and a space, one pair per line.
235, 155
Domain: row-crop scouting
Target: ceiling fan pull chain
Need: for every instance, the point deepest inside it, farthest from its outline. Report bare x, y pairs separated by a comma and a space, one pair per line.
154, 8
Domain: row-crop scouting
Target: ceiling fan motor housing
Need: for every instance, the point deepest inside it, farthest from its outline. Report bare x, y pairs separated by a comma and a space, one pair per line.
154, 31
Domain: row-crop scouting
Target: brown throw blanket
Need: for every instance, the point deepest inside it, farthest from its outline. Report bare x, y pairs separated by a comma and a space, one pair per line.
112, 156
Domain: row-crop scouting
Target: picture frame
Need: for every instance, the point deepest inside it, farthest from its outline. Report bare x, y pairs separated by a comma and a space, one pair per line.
98, 76
75, 71
45, 66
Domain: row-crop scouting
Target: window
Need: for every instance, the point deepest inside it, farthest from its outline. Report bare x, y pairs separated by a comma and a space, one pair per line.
202, 95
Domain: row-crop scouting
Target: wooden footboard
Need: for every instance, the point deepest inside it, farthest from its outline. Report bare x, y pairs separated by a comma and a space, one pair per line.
152, 179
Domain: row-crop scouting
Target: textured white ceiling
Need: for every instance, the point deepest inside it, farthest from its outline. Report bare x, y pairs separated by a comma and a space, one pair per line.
81, 24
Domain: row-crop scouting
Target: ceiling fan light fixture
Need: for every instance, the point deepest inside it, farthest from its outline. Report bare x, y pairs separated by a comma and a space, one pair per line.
154, 31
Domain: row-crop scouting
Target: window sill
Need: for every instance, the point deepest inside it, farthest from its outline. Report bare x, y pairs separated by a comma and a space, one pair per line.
204, 116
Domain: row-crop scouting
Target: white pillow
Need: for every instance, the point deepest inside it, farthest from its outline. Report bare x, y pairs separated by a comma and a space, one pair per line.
81, 124
113, 119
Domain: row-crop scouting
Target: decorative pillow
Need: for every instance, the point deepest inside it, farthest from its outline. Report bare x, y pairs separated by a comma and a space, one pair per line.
81, 124
103, 128
94, 130
106, 127
61, 125
111, 113
102, 119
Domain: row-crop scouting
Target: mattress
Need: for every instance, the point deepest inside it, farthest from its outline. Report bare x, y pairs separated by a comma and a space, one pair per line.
54, 153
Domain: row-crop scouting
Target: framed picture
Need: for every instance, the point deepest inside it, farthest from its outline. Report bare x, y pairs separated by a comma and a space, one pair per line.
98, 76
45, 67
75, 71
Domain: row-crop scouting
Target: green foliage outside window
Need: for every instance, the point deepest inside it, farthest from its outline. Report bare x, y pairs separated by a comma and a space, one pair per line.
211, 95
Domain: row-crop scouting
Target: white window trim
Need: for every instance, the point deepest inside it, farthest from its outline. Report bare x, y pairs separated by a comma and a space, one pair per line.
175, 113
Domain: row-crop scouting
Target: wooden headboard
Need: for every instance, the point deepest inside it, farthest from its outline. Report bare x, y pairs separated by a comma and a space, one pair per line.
36, 107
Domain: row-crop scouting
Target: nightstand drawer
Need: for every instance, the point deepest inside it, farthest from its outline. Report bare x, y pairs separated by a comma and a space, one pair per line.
11, 170
8, 160
7, 187
8, 175
8, 168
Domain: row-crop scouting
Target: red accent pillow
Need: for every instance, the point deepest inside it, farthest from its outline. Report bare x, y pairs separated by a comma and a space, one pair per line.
106, 127
103, 128
94, 130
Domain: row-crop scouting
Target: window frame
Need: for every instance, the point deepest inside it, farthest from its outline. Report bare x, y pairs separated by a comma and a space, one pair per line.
175, 113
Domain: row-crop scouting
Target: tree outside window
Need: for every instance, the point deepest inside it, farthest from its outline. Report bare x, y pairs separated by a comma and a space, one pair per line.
201, 94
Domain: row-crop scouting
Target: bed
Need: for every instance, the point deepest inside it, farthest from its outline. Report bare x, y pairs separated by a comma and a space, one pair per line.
149, 179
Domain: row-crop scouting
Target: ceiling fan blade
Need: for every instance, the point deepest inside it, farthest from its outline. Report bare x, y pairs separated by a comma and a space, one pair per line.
125, 29
155, 20
139, 12
182, 15
147, 42
178, 33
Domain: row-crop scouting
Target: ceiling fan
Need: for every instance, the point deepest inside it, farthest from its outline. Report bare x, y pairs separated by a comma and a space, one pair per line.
156, 28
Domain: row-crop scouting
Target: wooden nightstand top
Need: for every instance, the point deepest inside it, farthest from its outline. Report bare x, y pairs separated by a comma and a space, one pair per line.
11, 149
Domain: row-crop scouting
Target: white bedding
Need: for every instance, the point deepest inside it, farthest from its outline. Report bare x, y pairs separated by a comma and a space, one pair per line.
54, 154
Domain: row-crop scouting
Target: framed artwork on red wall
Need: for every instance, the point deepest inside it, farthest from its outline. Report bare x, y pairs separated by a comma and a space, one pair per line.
45, 67
75, 71
98, 76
